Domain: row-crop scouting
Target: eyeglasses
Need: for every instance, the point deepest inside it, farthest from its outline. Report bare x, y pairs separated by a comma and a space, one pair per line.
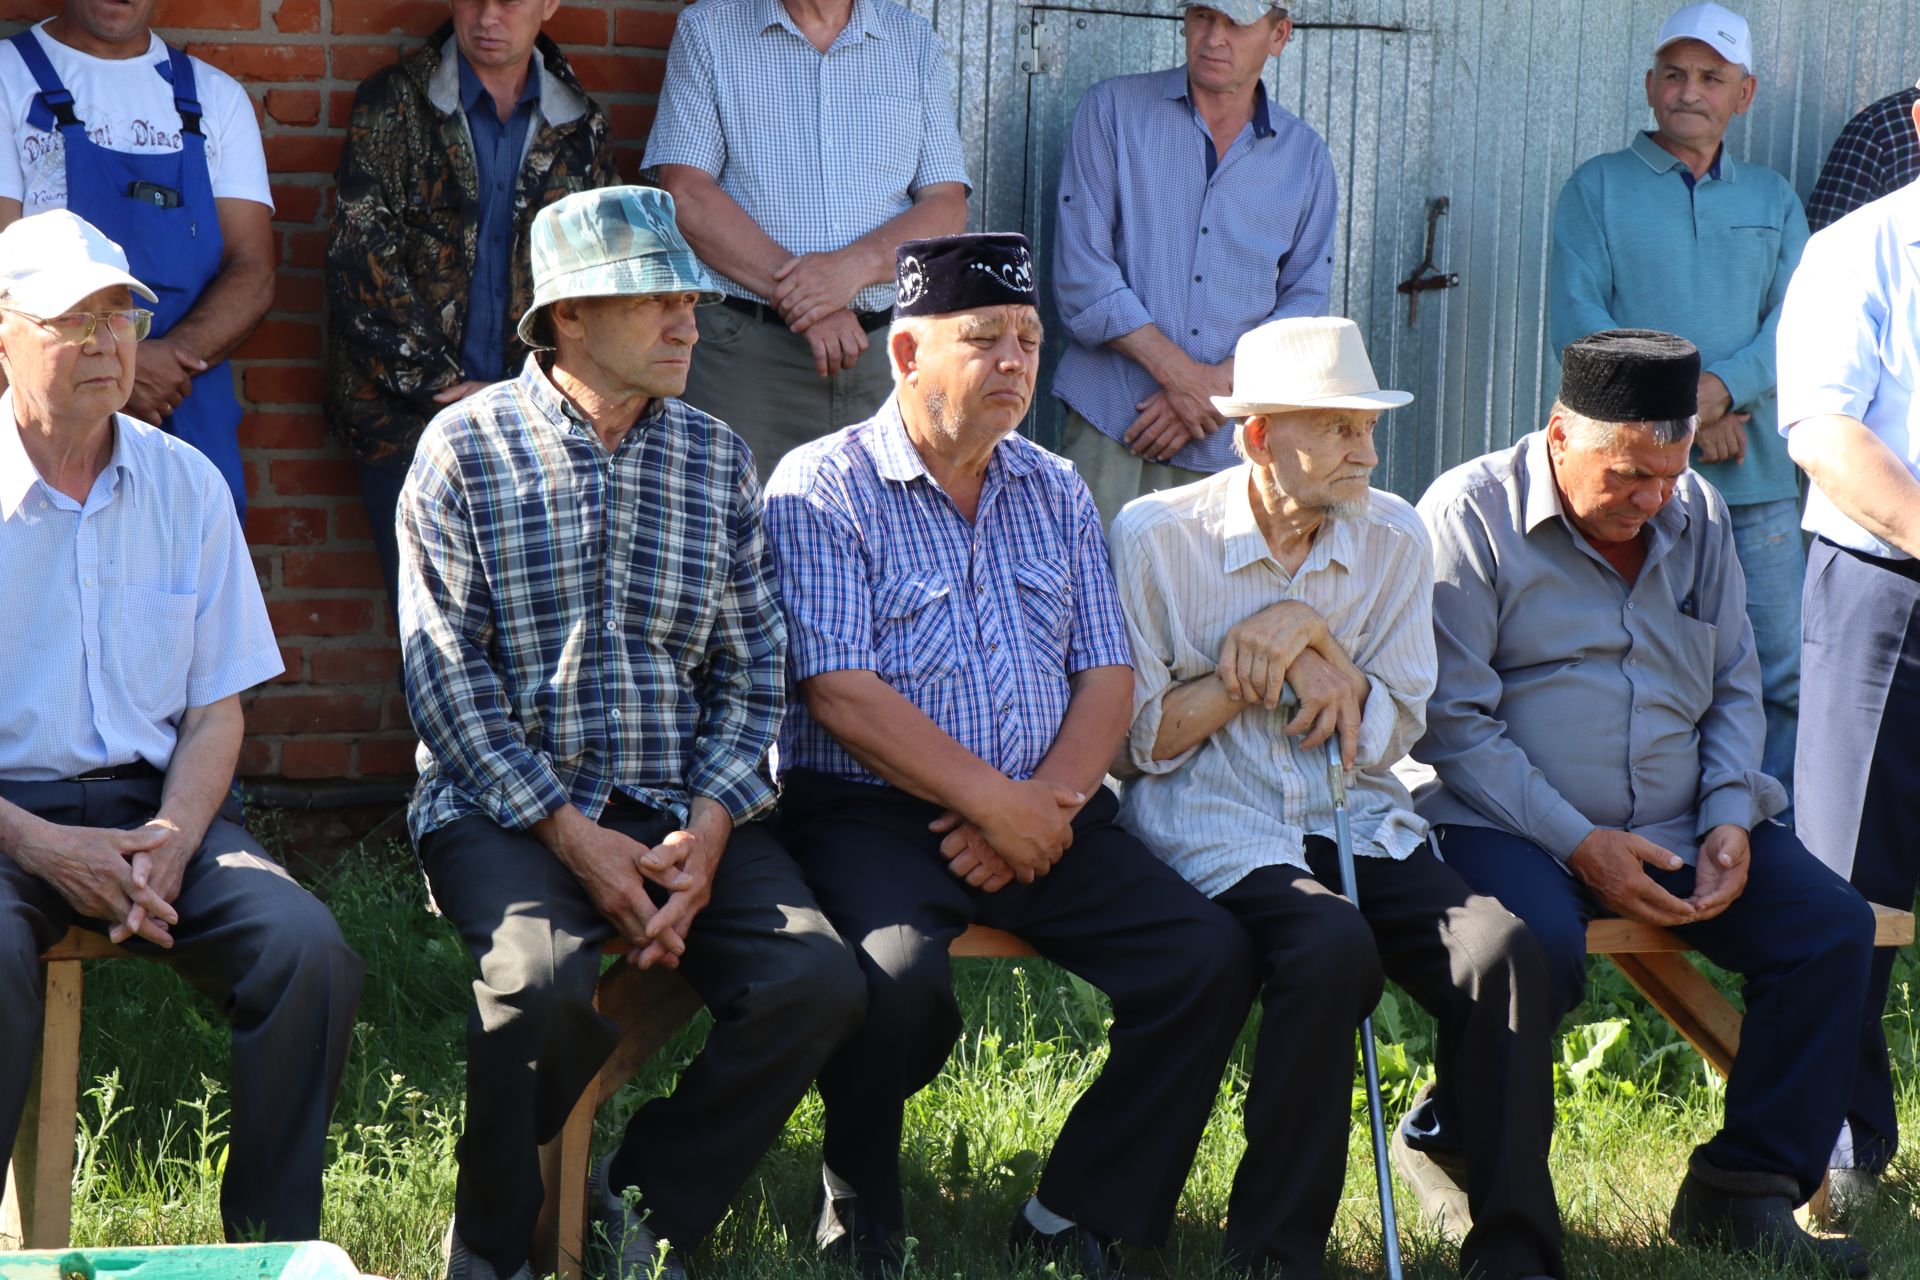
78, 327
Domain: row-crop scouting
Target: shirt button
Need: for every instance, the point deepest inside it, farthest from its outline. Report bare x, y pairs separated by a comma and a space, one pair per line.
610, 624
615, 713
993, 646
1629, 604
1198, 279
1633, 662
1203, 231
1194, 332
1006, 708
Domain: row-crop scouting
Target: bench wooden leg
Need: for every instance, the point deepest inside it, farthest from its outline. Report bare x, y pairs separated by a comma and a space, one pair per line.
1685, 997
649, 1006
39, 1195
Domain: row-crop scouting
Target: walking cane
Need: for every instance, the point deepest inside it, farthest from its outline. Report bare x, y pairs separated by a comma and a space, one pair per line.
1343, 840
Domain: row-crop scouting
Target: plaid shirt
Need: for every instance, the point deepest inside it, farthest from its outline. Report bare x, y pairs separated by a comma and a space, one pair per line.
817, 148
978, 624
1875, 155
574, 622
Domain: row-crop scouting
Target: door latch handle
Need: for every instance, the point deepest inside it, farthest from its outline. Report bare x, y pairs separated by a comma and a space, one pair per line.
1427, 277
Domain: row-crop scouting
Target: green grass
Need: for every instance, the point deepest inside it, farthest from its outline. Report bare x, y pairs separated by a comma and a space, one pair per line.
1633, 1100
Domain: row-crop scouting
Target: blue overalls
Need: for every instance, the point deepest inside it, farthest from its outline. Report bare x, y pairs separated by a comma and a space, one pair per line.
173, 251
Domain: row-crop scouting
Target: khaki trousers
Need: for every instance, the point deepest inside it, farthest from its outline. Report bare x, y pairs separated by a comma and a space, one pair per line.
1115, 475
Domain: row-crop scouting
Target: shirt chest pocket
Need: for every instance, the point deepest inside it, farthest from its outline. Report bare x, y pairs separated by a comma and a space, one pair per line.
1754, 250
157, 650
915, 641
1696, 644
1046, 611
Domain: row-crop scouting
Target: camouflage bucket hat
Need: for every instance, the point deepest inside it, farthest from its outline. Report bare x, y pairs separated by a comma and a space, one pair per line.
611, 242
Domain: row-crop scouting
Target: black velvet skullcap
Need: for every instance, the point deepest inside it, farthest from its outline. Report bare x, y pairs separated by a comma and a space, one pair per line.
961, 273
1630, 375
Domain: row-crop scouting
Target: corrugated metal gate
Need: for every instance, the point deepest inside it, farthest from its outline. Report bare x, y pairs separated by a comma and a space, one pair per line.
1489, 103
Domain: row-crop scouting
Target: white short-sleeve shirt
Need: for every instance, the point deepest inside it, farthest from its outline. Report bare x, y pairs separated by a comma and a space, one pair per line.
127, 106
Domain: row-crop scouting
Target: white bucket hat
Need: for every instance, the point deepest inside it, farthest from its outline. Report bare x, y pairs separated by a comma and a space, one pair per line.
51, 261
1310, 362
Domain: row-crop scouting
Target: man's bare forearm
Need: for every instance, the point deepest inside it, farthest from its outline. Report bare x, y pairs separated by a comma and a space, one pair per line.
1860, 475
1155, 352
1099, 713
1193, 712
720, 231
240, 293
939, 210
200, 774
16, 829
888, 734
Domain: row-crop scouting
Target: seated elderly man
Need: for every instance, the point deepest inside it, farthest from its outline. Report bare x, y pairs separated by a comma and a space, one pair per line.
1597, 731
1285, 576
594, 661
133, 623
962, 668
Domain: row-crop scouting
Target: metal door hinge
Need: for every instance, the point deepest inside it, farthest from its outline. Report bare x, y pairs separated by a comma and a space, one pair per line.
1045, 38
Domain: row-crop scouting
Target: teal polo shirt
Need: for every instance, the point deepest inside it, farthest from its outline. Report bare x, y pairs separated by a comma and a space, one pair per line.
1637, 246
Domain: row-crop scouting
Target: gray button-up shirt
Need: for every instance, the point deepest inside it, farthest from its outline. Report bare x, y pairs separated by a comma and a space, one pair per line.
1569, 701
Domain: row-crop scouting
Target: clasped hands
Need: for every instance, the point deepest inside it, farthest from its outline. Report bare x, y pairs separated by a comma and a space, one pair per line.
1722, 434
1612, 864
127, 878
163, 373
1017, 833
813, 292
1181, 411
1289, 646
615, 870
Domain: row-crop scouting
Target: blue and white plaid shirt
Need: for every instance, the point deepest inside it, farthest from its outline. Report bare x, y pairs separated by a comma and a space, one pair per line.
1875, 155
818, 148
575, 623
1151, 233
978, 624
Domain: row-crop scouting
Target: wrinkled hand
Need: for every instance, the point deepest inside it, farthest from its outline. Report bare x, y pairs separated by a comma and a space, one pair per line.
1613, 864
1030, 824
609, 867
163, 373
1714, 401
1725, 440
459, 391
838, 342
1158, 433
1333, 698
969, 856
812, 286
1259, 650
161, 868
92, 868
687, 859
1721, 874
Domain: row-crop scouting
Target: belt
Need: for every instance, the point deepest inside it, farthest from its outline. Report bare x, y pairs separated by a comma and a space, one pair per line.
869, 320
139, 770
1906, 567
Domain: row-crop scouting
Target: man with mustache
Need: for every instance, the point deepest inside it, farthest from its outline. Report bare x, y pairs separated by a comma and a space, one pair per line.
1673, 234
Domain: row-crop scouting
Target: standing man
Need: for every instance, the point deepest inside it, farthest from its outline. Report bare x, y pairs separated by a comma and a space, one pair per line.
798, 209
594, 661
963, 685
1672, 234
449, 155
162, 153
1288, 575
1849, 346
1596, 734
134, 623
1191, 210
1875, 155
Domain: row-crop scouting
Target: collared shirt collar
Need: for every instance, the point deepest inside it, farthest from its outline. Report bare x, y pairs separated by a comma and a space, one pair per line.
1243, 543
471, 90
18, 475
1542, 499
1177, 88
1660, 160
896, 458
772, 13
537, 384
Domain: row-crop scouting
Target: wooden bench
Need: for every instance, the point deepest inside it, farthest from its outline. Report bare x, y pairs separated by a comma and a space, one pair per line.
650, 1007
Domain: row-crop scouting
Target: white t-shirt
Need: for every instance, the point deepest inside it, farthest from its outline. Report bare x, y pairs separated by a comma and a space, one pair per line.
127, 106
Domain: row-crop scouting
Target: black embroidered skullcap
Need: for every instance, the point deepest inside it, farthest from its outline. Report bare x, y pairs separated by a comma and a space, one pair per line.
1630, 375
960, 273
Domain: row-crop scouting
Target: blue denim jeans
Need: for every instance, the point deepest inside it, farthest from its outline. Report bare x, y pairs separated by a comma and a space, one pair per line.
1766, 536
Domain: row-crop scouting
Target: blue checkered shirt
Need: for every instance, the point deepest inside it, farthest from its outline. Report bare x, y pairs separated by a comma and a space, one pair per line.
978, 624
1150, 234
573, 623
1875, 155
818, 148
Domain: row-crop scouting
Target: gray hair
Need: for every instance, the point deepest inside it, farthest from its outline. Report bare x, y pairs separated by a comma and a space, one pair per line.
1606, 435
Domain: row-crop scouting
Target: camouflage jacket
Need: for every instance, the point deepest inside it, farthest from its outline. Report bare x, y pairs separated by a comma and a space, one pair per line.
401, 250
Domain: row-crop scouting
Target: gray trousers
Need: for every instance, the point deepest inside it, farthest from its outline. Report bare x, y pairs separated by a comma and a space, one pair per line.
758, 378
264, 950
1114, 474
783, 990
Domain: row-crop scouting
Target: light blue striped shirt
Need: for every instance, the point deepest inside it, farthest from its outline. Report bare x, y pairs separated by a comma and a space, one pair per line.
979, 624
817, 148
1850, 342
1148, 236
122, 611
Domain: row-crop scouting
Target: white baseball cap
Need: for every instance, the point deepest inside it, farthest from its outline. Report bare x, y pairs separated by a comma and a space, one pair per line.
52, 260
1307, 362
1720, 29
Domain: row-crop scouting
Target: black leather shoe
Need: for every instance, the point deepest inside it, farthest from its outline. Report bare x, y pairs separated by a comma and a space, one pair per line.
1077, 1250
875, 1250
1752, 1213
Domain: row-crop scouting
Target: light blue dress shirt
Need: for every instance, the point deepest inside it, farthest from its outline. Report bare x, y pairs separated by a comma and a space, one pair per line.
1850, 342
497, 149
1155, 228
1637, 245
122, 611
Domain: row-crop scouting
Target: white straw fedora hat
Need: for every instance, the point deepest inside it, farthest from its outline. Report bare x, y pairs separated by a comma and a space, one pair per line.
1309, 362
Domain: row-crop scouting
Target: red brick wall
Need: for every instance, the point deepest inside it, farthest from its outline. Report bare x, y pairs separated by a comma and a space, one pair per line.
338, 711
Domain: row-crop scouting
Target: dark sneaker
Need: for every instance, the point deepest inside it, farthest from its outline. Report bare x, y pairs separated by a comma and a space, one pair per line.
620, 1244
875, 1250
1075, 1250
462, 1265
1752, 1213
